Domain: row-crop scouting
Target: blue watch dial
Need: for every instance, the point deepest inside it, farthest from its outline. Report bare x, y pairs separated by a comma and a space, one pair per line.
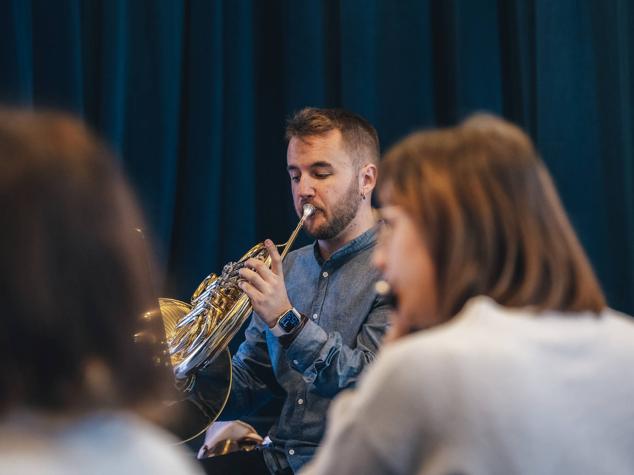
289, 321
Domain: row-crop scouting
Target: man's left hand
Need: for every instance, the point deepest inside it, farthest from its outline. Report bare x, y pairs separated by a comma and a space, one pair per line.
265, 287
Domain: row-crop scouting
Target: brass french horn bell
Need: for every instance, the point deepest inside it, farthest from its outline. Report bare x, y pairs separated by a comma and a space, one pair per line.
198, 334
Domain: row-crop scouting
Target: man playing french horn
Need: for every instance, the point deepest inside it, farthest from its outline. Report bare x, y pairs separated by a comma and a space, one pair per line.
317, 322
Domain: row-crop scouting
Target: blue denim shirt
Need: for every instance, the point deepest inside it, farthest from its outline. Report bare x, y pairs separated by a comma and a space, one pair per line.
346, 322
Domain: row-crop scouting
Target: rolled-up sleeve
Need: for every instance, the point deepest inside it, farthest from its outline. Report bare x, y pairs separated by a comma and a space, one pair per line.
326, 362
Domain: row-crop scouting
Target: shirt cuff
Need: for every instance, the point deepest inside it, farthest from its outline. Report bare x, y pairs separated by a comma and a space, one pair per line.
306, 346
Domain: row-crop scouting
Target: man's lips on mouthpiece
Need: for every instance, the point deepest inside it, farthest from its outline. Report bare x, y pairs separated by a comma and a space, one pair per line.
317, 210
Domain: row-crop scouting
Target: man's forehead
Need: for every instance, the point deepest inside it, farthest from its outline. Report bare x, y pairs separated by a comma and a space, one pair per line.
326, 148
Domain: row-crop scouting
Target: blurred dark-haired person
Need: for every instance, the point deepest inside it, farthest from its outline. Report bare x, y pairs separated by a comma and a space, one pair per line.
325, 290
76, 391
521, 369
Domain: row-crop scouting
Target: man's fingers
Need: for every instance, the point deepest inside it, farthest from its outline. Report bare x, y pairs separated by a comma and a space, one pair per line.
253, 278
276, 260
252, 292
258, 266
269, 275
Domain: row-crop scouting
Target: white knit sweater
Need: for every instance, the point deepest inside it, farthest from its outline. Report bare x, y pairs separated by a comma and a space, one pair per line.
494, 391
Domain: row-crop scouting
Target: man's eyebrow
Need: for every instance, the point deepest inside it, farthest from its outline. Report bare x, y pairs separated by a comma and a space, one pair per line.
321, 165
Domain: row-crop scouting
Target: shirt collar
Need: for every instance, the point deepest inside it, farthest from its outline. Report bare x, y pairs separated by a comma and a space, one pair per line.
365, 240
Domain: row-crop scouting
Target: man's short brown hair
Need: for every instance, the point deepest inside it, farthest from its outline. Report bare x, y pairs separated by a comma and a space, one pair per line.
359, 137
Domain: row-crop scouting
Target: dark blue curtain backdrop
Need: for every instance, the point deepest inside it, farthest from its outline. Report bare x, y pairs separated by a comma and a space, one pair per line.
193, 96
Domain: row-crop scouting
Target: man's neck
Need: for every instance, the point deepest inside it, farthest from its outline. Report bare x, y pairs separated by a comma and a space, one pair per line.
363, 221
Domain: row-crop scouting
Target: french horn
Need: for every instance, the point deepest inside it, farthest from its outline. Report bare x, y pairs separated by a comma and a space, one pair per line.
198, 334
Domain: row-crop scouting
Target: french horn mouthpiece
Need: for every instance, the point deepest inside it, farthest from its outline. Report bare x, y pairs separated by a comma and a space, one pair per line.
308, 210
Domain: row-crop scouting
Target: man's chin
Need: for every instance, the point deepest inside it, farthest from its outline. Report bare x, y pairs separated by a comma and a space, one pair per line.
313, 229
321, 233
315, 233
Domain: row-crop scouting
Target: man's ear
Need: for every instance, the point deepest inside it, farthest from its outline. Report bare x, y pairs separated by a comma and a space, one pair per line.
367, 178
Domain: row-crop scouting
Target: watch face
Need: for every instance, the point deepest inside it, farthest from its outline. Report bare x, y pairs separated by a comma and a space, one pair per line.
289, 321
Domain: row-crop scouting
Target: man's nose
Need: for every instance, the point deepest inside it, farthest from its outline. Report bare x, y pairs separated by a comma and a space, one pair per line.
305, 188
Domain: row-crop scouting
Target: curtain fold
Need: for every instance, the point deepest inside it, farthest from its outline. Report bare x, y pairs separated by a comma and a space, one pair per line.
193, 96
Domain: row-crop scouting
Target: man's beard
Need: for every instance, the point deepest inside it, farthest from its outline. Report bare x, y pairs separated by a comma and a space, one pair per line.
342, 214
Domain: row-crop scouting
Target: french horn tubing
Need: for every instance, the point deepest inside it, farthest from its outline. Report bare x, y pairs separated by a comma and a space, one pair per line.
198, 333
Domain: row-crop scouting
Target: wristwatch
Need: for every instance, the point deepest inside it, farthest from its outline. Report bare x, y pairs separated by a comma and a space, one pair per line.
287, 322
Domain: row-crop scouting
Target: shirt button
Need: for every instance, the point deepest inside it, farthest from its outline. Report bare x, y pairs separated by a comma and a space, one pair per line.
291, 452
295, 362
324, 274
300, 401
315, 316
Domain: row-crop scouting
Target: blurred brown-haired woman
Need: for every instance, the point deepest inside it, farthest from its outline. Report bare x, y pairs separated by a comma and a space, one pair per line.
520, 368
74, 292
